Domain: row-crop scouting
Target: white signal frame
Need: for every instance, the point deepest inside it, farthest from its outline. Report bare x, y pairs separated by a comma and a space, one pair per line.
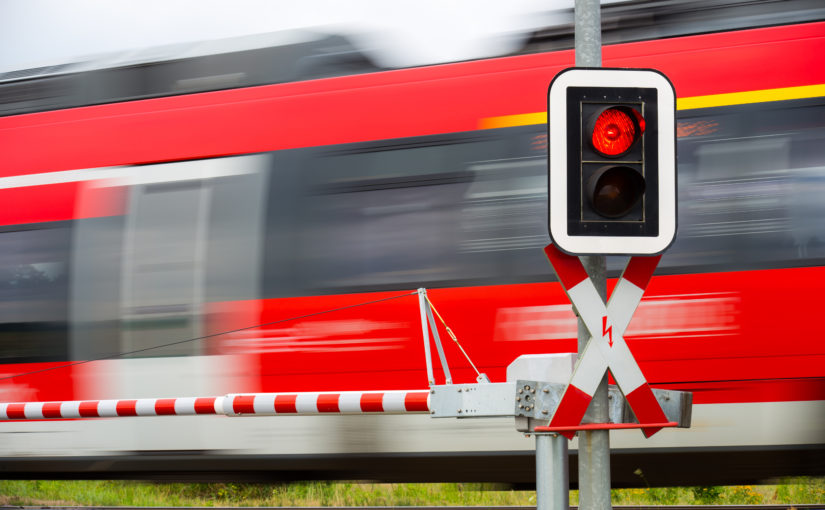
557, 131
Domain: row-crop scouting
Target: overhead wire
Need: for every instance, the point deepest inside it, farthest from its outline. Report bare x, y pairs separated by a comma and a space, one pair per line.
204, 337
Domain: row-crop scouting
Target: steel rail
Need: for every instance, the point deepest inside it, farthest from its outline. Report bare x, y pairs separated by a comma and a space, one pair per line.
789, 506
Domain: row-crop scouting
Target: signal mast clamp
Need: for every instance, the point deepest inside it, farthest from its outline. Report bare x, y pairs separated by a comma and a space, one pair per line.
612, 161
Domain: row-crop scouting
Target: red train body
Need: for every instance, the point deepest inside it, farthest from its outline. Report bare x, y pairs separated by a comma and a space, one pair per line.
731, 316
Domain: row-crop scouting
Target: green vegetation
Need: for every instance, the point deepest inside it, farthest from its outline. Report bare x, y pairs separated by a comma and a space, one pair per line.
117, 493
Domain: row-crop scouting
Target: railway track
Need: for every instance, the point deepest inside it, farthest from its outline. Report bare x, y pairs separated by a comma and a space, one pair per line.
616, 507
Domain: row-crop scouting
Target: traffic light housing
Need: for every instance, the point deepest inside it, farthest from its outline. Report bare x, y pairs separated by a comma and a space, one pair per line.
612, 161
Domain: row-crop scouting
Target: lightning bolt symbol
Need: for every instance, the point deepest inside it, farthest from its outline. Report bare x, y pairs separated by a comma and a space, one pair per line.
607, 331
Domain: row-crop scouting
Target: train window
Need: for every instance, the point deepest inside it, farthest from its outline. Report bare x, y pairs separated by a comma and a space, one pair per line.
750, 182
236, 214
380, 218
504, 213
34, 294
432, 212
163, 265
97, 268
739, 193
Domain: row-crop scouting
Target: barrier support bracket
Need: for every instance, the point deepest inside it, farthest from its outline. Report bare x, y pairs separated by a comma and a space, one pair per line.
532, 403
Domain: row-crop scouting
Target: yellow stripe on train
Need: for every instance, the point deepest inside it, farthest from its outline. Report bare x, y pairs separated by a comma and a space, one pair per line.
684, 103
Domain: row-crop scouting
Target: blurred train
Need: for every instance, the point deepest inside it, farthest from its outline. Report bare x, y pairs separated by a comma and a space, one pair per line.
142, 241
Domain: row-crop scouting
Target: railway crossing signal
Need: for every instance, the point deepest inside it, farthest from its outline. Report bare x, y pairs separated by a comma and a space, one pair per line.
612, 161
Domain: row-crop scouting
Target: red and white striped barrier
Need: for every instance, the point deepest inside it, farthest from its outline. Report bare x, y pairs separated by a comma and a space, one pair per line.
111, 408
346, 402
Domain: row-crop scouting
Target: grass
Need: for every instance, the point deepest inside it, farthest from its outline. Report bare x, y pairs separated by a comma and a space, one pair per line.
120, 493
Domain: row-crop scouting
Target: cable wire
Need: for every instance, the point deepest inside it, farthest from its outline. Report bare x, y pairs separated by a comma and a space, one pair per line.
128, 353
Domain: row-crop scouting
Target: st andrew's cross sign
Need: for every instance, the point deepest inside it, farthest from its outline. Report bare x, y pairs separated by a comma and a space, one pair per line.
606, 348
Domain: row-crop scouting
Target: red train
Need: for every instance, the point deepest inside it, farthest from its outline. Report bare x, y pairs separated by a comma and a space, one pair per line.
151, 227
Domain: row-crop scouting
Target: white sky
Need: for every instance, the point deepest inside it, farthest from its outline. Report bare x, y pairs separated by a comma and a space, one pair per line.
34, 33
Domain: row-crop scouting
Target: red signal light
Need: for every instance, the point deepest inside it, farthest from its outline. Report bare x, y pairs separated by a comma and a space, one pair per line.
612, 161
616, 129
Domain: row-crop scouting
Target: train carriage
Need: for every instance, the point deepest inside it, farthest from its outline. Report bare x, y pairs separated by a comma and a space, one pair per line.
218, 242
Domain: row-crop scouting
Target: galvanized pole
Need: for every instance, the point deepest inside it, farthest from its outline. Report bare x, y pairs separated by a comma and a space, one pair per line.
588, 33
594, 446
552, 473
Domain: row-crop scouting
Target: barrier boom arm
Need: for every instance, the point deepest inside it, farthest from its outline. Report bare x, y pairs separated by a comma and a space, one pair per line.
311, 403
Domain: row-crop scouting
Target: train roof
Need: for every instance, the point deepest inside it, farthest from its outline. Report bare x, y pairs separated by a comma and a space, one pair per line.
299, 55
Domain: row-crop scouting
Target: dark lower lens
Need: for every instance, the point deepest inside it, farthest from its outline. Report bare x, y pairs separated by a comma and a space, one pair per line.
615, 190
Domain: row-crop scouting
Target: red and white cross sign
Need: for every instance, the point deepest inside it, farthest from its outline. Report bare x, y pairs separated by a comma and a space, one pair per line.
606, 348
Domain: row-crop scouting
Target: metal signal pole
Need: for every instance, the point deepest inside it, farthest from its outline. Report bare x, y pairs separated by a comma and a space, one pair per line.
594, 446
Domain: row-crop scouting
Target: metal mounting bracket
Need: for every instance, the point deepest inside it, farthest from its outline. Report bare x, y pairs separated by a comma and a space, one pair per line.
533, 403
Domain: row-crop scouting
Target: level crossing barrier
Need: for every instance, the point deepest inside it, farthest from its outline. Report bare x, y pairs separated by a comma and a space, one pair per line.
535, 390
306, 403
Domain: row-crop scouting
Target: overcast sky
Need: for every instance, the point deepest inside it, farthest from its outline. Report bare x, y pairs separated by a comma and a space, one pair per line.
35, 33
